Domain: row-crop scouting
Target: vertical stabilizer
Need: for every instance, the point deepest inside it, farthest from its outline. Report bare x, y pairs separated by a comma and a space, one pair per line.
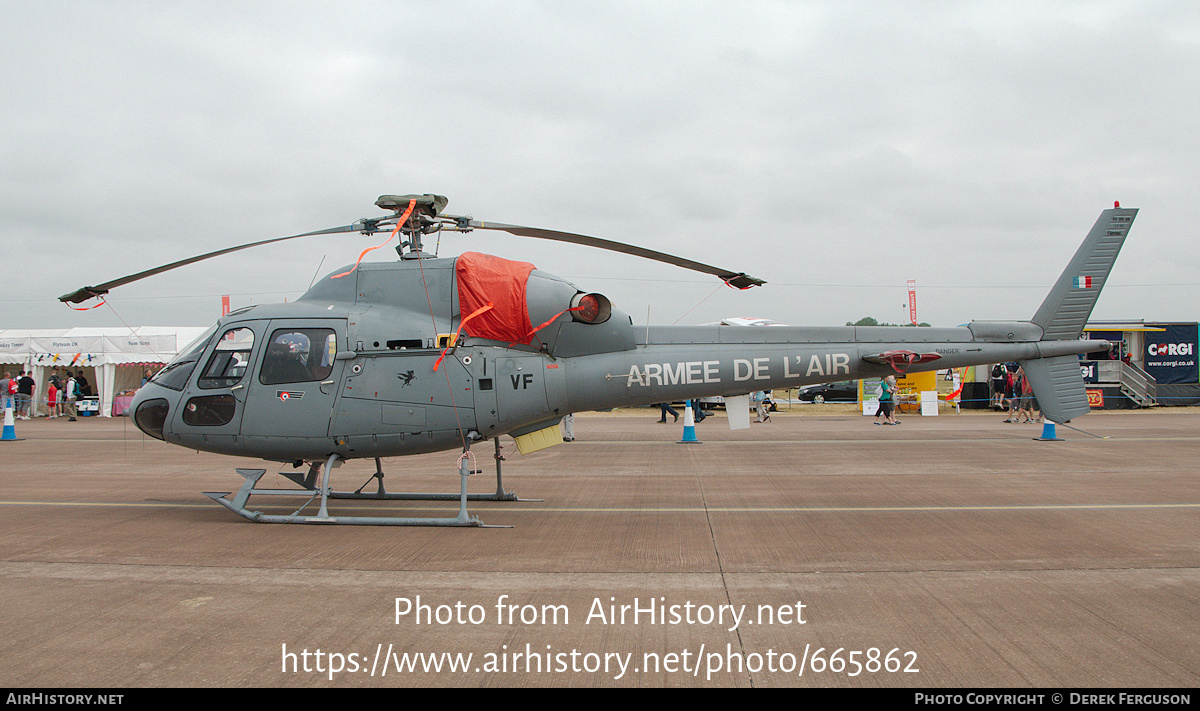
1065, 311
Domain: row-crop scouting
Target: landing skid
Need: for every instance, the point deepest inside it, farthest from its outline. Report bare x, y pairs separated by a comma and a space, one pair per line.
312, 491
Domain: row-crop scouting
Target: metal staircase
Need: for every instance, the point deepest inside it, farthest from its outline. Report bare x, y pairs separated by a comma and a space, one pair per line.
1138, 385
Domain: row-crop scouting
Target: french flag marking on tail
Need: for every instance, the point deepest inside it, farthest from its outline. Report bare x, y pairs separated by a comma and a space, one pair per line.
1083, 282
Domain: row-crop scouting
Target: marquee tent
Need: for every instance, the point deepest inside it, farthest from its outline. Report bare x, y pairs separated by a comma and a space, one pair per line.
112, 359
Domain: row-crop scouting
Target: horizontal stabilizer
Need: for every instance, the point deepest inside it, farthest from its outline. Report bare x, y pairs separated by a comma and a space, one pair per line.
1058, 387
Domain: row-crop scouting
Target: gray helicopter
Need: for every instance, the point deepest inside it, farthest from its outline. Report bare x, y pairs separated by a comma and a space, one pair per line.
427, 354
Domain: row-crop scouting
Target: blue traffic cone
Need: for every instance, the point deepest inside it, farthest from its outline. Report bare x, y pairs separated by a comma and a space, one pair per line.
689, 426
1048, 433
10, 432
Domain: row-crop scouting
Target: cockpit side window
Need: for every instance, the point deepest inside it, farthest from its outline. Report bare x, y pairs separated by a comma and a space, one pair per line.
298, 355
177, 372
229, 361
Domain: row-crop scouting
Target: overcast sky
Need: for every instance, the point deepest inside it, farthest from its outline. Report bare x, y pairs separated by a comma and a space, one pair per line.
834, 149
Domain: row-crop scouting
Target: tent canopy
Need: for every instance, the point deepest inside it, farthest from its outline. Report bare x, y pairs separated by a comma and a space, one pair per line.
94, 346
115, 354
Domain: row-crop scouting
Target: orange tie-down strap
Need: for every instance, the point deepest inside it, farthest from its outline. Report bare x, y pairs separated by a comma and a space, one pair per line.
88, 308
454, 340
485, 308
552, 319
403, 218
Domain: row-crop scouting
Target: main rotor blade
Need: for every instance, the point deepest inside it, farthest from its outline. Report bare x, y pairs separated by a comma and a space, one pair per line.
88, 292
739, 280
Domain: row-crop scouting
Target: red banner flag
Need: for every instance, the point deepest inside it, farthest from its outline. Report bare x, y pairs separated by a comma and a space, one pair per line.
912, 301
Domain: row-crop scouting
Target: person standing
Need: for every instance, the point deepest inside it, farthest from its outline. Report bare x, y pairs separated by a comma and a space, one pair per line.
895, 387
1018, 396
998, 372
57, 383
887, 401
70, 398
1027, 399
568, 423
52, 399
25, 389
760, 406
1010, 387
1035, 407
5, 398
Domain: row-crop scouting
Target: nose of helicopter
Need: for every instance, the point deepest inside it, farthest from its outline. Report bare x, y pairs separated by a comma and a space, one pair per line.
150, 407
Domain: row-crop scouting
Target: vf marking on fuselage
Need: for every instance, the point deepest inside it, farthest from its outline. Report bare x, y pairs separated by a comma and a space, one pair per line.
744, 369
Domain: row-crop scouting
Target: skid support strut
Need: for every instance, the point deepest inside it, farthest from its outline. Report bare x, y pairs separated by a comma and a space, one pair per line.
237, 503
307, 481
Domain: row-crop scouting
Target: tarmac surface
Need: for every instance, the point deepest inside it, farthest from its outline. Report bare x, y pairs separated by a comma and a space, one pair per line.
950, 551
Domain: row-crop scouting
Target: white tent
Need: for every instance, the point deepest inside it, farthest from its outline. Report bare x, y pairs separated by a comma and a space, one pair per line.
112, 359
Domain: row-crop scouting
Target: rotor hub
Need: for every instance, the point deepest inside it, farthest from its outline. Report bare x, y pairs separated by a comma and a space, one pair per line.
422, 220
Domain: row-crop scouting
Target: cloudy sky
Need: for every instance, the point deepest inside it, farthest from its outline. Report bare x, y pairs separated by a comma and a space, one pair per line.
835, 149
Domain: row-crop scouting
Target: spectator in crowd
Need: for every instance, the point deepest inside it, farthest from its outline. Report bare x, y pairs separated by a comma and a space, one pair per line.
998, 373
25, 389
760, 406
1022, 399
52, 398
887, 401
70, 397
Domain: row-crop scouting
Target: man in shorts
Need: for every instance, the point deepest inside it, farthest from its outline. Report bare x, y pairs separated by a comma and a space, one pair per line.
998, 372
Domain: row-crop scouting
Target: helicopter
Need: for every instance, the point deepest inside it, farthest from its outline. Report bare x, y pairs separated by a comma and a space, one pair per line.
427, 354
